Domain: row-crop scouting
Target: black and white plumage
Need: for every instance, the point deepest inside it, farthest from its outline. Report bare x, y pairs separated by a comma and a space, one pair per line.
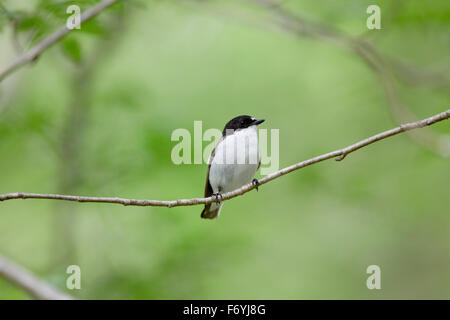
233, 162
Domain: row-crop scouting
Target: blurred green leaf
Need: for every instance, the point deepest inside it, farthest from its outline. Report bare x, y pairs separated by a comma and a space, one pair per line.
93, 26
72, 49
31, 22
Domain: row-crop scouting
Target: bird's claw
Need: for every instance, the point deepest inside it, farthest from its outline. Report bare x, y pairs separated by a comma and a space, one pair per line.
255, 182
218, 195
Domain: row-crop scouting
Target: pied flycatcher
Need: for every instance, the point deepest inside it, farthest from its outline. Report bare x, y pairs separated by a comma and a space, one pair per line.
233, 162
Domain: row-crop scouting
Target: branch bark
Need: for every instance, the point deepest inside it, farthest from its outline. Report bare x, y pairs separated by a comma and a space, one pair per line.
24, 279
37, 50
338, 154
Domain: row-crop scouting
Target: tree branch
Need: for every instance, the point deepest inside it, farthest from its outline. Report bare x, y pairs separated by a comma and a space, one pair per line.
338, 154
37, 50
35, 287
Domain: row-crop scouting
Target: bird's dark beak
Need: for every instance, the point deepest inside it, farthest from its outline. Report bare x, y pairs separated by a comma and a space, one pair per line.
258, 121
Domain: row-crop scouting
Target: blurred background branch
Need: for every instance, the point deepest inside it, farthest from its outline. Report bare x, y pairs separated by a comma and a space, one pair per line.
72, 145
37, 50
35, 287
437, 143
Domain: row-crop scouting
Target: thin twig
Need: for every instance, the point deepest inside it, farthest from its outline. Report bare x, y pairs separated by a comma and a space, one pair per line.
24, 279
338, 154
37, 50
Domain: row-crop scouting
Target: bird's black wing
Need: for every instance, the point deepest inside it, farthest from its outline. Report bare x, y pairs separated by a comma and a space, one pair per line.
207, 213
208, 189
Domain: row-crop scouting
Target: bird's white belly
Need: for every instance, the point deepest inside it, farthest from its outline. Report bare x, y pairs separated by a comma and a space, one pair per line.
235, 162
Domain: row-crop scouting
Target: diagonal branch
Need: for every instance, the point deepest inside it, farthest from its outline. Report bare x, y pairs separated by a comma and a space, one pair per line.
338, 154
35, 287
37, 50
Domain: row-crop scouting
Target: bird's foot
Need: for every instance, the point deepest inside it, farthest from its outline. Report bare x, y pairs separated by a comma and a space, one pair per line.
218, 195
255, 182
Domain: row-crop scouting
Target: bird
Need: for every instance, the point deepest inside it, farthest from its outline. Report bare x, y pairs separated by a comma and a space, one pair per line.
233, 162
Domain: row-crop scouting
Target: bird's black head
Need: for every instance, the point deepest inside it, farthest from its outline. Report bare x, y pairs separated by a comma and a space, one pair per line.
240, 122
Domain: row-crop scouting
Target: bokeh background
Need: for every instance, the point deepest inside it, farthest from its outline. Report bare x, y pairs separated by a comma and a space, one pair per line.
94, 116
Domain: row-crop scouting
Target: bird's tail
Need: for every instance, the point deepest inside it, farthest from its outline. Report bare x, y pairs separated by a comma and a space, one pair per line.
211, 211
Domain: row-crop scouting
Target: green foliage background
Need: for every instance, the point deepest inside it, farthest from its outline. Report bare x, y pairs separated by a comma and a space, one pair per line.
310, 234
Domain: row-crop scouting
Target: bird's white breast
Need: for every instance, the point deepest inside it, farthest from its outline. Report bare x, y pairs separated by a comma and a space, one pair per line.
235, 161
